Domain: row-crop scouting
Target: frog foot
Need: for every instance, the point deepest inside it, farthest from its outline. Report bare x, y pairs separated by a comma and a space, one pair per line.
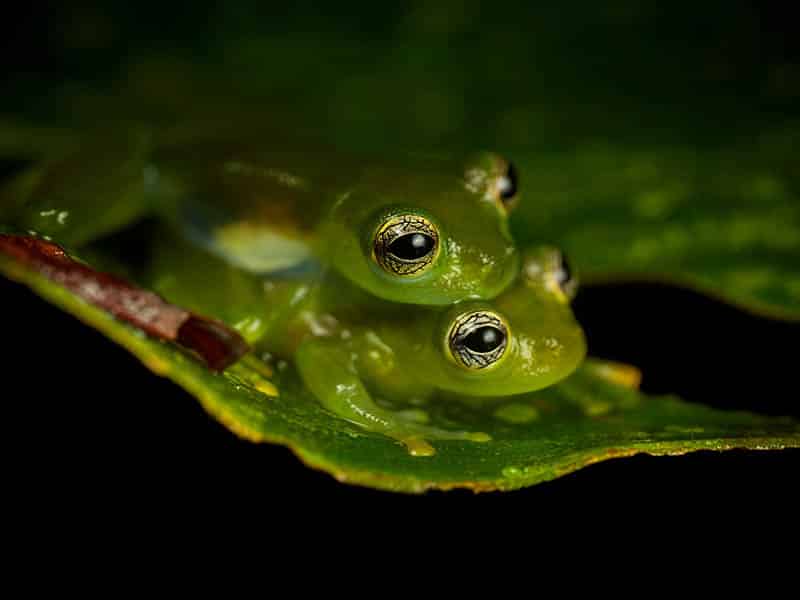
416, 438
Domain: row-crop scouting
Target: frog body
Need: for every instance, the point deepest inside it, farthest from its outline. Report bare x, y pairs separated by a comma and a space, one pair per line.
382, 283
358, 354
421, 230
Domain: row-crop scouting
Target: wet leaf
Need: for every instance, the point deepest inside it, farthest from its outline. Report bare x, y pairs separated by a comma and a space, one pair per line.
620, 163
724, 222
536, 437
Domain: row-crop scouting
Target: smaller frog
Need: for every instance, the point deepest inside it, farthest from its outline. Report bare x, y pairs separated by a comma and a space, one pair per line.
358, 355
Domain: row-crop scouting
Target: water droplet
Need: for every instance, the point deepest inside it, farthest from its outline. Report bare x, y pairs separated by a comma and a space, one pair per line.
596, 408
513, 472
517, 413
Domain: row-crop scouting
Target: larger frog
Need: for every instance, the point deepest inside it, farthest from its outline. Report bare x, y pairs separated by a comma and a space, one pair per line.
430, 231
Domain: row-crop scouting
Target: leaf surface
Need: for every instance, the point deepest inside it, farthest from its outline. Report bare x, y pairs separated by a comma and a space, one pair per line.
726, 222
536, 437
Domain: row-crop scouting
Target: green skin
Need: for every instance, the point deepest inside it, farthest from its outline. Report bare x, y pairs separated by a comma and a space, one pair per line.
287, 211
352, 330
402, 354
351, 348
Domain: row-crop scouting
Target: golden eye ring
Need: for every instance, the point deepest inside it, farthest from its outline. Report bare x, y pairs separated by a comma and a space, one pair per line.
406, 244
478, 340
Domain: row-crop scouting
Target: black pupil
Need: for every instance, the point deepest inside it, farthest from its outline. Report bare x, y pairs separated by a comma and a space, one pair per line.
484, 339
412, 246
508, 183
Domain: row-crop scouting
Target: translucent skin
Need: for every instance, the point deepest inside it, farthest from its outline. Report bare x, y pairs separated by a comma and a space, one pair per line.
478, 258
351, 349
294, 272
271, 212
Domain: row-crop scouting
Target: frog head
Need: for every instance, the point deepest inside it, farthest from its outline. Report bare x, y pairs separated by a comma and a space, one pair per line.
427, 236
525, 339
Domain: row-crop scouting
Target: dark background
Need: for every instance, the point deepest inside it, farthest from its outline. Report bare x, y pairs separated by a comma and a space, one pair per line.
128, 438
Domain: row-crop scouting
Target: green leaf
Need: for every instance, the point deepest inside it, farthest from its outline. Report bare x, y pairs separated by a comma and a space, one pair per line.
724, 222
709, 214
536, 437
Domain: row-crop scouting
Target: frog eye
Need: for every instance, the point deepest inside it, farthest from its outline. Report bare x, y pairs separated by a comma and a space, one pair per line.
549, 268
564, 277
406, 245
495, 178
506, 185
477, 340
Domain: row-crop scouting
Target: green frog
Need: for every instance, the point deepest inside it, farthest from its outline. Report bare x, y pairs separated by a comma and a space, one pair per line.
384, 284
359, 355
422, 230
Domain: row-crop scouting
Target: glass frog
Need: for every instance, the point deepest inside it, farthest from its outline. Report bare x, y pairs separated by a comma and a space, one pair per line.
422, 230
377, 363
382, 284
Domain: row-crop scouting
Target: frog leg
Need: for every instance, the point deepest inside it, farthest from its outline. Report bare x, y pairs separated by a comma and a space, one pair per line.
329, 373
618, 373
83, 195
